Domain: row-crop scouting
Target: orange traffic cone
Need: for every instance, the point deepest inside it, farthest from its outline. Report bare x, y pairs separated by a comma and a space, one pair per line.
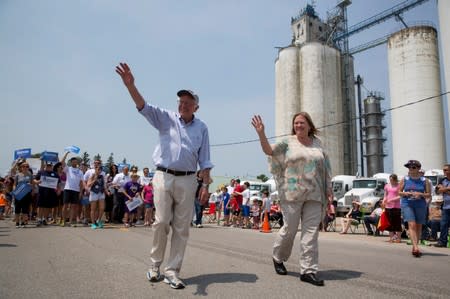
266, 226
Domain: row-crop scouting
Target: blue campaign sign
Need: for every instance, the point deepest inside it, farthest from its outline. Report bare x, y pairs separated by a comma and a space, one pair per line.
21, 190
22, 153
121, 166
49, 156
72, 149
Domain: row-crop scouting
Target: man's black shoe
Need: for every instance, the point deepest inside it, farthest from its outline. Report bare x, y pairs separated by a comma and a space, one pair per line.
370, 233
279, 268
439, 244
312, 279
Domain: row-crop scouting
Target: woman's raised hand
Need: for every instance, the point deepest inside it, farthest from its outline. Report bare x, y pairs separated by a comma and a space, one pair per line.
257, 123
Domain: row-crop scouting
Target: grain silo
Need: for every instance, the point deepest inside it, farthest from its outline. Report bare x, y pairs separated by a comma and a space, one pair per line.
308, 78
444, 35
321, 97
417, 129
287, 91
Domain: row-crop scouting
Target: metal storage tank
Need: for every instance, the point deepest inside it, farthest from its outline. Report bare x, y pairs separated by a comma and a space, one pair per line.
444, 35
287, 89
417, 130
309, 79
374, 139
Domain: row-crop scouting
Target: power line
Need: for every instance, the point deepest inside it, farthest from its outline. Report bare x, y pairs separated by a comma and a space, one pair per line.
338, 123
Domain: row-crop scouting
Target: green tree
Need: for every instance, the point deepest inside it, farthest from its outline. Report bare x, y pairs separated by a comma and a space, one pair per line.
85, 158
36, 155
262, 177
97, 157
110, 160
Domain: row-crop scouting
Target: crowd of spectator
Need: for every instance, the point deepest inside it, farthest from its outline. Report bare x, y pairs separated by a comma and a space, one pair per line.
90, 196
76, 194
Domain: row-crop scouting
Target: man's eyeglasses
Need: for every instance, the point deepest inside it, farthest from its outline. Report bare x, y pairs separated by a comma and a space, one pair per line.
412, 167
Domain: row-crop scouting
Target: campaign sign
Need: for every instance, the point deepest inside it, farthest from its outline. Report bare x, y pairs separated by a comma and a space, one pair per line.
133, 204
72, 149
122, 165
22, 153
21, 190
49, 156
49, 182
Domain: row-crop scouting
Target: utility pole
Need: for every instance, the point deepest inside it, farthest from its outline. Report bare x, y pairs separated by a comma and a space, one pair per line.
358, 82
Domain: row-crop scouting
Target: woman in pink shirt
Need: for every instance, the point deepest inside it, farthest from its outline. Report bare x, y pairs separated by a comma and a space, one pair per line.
391, 202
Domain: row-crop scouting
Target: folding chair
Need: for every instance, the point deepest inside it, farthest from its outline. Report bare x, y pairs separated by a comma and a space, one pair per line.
356, 223
209, 214
274, 220
331, 226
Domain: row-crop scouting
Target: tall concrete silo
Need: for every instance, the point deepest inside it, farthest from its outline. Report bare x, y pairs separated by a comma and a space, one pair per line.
373, 134
321, 97
444, 34
308, 78
287, 91
417, 130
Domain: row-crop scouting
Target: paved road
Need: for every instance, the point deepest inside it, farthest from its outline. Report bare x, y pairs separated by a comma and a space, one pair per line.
56, 262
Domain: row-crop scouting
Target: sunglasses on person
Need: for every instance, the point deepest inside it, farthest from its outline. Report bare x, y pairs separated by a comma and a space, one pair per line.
413, 167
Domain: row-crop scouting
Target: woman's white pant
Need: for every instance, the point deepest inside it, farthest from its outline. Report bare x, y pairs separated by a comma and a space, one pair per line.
309, 215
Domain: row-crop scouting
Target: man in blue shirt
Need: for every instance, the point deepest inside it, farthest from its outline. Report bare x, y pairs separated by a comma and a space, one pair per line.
444, 188
183, 144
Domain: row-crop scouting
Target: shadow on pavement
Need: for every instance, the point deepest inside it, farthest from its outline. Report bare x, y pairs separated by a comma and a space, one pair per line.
203, 281
8, 245
339, 274
433, 254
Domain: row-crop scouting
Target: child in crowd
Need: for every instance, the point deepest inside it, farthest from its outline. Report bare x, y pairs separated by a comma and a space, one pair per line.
219, 204
147, 195
132, 190
256, 212
266, 203
8, 187
226, 210
3, 202
233, 206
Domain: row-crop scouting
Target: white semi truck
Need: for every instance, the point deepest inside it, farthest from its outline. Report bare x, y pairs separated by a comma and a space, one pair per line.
341, 184
367, 191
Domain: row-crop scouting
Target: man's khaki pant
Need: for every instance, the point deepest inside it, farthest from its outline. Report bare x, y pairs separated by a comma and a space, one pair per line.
174, 204
309, 215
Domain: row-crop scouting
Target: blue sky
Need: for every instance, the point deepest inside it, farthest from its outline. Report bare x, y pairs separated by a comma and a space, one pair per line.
58, 86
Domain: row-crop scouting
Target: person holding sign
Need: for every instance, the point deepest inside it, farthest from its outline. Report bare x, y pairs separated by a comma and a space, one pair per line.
183, 144
23, 181
119, 182
132, 191
47, 180
72, 190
